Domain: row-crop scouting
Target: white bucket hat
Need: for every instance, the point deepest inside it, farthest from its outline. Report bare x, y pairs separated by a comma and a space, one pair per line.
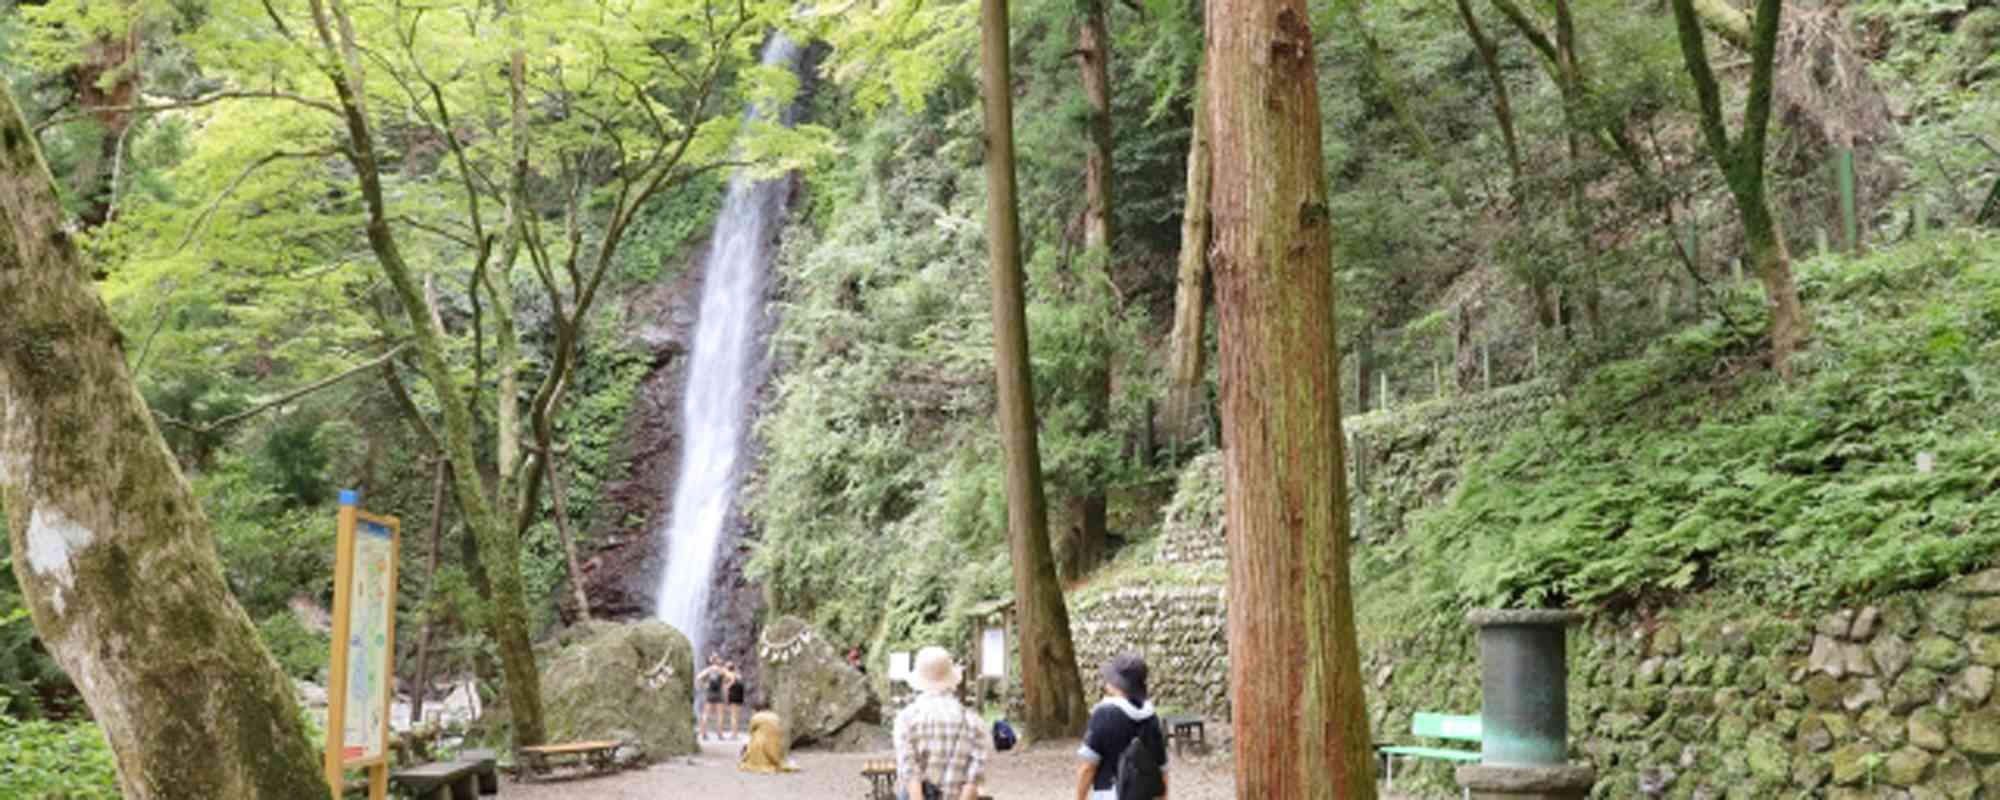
933, 671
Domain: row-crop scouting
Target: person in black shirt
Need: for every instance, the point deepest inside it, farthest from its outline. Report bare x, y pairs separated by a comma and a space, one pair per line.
710, 681
734, 690
1124, 717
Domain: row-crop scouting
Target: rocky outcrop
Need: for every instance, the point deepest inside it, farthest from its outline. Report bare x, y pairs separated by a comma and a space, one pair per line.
810, 685
627, 681
622, 573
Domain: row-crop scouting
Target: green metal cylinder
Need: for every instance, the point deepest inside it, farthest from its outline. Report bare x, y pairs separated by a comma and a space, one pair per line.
1524, 686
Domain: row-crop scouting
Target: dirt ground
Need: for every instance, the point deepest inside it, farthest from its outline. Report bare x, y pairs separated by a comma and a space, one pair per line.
1045, 771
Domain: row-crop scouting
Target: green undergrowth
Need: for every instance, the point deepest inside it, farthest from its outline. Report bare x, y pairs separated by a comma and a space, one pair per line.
43, 760
1693, 467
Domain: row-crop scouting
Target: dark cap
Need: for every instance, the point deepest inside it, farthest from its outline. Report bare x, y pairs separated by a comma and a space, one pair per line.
1127, 671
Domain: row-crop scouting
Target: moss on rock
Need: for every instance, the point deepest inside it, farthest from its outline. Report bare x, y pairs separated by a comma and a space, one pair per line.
809, 685
632, 682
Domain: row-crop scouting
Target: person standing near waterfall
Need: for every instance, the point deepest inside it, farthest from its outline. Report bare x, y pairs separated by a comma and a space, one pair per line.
710, 682
735, 690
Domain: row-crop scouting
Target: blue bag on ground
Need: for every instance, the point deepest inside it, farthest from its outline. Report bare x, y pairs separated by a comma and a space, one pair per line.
1003, 735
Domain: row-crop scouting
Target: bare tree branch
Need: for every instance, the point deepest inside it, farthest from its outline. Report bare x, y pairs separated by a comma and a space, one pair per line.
287, 397
204, 100
216, 202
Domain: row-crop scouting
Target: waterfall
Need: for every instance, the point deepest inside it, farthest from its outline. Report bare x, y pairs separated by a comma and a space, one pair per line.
715, 411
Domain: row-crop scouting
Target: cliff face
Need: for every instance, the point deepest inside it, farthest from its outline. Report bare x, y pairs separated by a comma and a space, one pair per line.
621, 579
622, 576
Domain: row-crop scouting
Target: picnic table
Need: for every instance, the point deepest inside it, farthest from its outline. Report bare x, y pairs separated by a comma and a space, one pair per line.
544, 758
464, 778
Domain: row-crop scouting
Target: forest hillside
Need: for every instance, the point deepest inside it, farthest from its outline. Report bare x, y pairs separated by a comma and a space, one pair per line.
452, 258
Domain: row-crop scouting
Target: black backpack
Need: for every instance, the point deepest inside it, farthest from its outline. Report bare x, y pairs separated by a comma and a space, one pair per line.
1139, 775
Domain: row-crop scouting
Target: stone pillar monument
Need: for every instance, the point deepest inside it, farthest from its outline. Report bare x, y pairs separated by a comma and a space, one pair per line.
1524, 709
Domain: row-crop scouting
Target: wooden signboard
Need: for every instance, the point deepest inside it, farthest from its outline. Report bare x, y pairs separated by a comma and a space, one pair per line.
364, 647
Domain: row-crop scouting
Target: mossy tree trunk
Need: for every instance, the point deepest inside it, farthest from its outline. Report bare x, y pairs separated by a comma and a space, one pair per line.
1295, 685
1187, 366
110, 547
1049, 681
483, 515
1742, 165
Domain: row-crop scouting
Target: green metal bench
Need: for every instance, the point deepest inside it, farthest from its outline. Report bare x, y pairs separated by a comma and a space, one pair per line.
1436, 726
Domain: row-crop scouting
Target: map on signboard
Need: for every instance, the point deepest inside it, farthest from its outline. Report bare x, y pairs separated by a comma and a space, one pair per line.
368, 646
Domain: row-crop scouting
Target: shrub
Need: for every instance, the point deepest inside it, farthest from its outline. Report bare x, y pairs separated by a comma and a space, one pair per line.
44, 760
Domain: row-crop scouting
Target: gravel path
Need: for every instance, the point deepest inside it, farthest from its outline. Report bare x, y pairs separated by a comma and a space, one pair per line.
1046, 771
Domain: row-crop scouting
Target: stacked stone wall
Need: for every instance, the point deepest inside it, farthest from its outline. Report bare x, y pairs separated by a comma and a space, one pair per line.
1892, 700
1411, 457
1720, 699
1182, 630
1192, 531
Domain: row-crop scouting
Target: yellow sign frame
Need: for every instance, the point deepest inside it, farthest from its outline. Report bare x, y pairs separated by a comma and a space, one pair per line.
377, 766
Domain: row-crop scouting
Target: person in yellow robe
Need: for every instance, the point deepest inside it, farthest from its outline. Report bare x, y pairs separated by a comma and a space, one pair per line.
769, 746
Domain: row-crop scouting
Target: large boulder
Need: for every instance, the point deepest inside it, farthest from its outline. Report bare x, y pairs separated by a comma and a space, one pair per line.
632, 682
808, 683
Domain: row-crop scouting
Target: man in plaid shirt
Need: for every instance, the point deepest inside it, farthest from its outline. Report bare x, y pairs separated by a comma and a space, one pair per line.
938, 741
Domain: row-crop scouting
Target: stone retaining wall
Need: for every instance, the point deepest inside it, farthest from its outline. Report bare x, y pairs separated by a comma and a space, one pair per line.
1183, 631
1410, 457
1192, 532
1892, 700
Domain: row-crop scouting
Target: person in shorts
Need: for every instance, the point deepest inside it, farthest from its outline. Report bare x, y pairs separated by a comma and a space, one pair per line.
733, 690
709, 683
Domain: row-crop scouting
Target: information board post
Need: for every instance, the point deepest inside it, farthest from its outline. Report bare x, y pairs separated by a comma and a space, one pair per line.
363, 651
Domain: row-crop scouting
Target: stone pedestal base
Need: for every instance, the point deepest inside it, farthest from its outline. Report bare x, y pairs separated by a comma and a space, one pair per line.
1489, 782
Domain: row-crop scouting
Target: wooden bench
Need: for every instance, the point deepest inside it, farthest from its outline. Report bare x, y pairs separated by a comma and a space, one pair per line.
439, 780
1185, 729
595, 755
1436, 726
881, 776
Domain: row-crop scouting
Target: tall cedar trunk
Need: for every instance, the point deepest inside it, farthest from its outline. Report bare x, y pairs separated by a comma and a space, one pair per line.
1086, 507
1049, 683
1742, 165
499, 544
109, 545
1186, 368
1301, 723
